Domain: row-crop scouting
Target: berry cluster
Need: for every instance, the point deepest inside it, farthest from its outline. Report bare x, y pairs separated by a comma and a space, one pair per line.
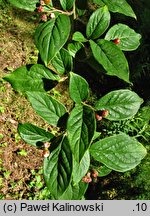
46, 152
104, 113
40, 9
88, 177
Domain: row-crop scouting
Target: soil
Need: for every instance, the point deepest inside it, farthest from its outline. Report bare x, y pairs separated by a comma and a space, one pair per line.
18, 160
17, 49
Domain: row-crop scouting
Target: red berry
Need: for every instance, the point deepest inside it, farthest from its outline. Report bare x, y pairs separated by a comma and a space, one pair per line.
116, 41
44, 17
40, 9
94, 173
98, 117
105, 113
86, 179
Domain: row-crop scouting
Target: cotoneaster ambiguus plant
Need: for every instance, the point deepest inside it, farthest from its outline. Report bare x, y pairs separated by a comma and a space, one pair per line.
67, 156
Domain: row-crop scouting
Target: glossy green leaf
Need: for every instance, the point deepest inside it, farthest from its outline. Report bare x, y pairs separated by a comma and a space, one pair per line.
78, 36
24, 4
33, 79
111, 58
96, 135
80, 128
81, 168
62, 62
67, 4
51, 36
98, 23
129, 39
79, 190
32, 134
73, 48
121, 104
78, 88
120, 6
58, 169
40, 71
104, 171
119, 152
74, 192
99, 2
47, 107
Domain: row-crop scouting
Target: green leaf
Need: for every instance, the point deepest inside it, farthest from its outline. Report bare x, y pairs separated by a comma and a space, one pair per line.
80, 128
74, 192
40, 71
24, 4
62, 62
66, 4
119, 6
32, 134
129, 39
111, 58
119, 152
121, 104
73, 48
47, 107
81, 168
58, 169
104, 171
51, 36
98, 23
78, 36
96, 135
79, 190
34, 79
99, 2
78, 88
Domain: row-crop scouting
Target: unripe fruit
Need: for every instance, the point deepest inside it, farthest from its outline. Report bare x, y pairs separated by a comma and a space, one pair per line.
42, 2
46, 144
44, 17
86, 179
46, 153
98, 117
88, 175
105, 113
116, 41
52, 15
40, 9
94, 173
47, 2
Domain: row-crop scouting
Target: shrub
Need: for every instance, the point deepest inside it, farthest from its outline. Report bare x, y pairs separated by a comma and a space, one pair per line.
67, 169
